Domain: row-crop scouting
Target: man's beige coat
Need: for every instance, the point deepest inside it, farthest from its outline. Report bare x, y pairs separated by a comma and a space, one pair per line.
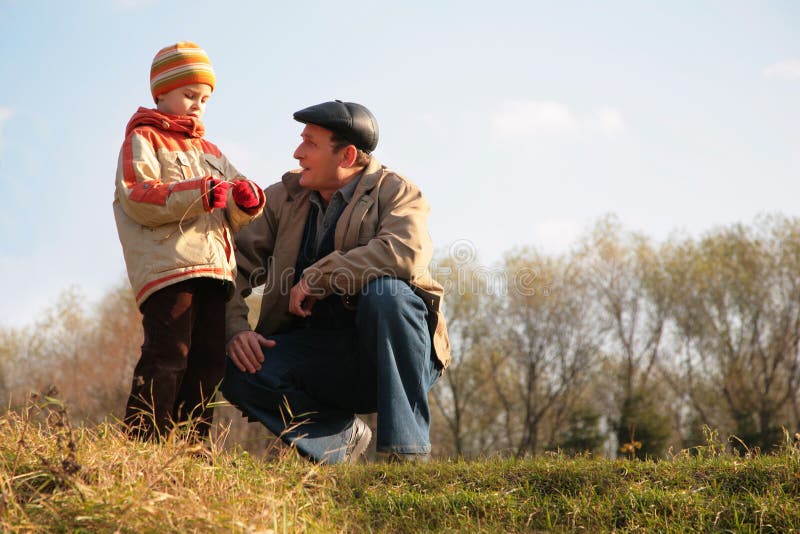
382, 232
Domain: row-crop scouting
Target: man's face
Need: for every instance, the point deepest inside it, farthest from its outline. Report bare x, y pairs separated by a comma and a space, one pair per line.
319, 162
187, 100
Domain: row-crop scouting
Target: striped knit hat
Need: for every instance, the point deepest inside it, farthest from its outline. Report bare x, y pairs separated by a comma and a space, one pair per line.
181, 64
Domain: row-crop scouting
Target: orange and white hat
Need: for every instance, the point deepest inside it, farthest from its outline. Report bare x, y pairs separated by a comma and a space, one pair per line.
177, 65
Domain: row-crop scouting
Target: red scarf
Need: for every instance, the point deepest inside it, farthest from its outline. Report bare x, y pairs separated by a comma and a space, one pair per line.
190, 126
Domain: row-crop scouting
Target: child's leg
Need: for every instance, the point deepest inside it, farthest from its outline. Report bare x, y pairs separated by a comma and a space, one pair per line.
206, 361
167, 321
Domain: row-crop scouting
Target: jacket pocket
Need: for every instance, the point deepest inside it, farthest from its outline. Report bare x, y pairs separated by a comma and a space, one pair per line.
181, 246
185, 168
215, 165
219, 241
365, 222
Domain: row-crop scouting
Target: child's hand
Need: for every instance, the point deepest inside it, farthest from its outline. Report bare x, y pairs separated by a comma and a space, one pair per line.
247, 195
218, 192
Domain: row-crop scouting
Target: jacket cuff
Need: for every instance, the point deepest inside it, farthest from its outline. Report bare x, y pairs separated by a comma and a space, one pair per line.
205, 194
318, 282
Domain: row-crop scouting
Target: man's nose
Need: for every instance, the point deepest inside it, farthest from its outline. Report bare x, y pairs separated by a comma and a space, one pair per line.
297, 153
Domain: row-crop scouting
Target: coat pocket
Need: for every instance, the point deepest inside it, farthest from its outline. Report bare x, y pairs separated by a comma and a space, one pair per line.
185, 168
365, 222
217, 169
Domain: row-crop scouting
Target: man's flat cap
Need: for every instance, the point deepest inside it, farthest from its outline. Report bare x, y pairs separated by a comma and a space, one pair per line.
352, 121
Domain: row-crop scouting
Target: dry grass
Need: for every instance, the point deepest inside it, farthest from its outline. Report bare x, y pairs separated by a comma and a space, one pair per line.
56, 478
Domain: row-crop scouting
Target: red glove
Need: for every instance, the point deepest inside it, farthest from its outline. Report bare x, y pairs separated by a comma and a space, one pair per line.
218, 192
247, 195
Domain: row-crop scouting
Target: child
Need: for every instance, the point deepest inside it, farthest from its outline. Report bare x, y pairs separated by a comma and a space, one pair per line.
178, 200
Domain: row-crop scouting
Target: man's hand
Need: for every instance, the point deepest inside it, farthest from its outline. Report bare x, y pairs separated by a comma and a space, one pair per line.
244, 350
301, 300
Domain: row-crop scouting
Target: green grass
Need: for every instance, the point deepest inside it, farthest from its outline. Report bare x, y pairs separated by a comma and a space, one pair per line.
685, 494
58, 479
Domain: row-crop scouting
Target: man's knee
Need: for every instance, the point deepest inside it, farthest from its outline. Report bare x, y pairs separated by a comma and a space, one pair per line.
233, 383
390, 299
386, 295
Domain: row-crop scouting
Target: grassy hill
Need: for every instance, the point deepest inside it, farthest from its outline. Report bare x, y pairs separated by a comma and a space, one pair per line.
57, 478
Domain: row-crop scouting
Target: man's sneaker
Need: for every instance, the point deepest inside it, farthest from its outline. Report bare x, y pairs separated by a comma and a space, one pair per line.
359, 441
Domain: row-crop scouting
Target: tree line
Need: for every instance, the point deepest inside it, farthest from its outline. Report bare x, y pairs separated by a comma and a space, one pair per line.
619, 346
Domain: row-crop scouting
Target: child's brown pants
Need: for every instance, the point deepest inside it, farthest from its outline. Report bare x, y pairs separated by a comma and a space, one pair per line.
182, 361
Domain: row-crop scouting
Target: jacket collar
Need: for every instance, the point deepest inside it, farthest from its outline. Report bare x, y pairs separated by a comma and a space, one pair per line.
369, 177
185, 124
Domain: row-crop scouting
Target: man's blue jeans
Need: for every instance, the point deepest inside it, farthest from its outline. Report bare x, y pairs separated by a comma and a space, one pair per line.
383, 364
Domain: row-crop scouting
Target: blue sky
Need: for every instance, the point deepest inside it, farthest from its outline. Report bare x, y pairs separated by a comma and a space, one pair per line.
523, 122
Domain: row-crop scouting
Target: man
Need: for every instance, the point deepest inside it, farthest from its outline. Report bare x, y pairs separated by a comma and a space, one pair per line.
350, 309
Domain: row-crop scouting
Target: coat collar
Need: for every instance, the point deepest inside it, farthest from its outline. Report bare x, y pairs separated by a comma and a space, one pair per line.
372, 172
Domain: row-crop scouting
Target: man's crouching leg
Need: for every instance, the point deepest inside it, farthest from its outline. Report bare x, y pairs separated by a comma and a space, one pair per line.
392, 324
277, 397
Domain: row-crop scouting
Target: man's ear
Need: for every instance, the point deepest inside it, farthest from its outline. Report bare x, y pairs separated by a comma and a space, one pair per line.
349, 154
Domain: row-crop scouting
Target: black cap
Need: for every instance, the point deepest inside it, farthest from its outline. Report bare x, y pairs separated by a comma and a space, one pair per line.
352, 121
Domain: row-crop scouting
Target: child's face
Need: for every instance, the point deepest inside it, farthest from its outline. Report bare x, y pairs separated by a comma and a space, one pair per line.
187, 100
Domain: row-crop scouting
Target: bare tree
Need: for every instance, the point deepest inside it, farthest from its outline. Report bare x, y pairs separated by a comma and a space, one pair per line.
551, 341
740, 322
459, 397
627, 280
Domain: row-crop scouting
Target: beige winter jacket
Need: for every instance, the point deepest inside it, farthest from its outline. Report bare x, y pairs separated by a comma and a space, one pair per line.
382, 231
167, 228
